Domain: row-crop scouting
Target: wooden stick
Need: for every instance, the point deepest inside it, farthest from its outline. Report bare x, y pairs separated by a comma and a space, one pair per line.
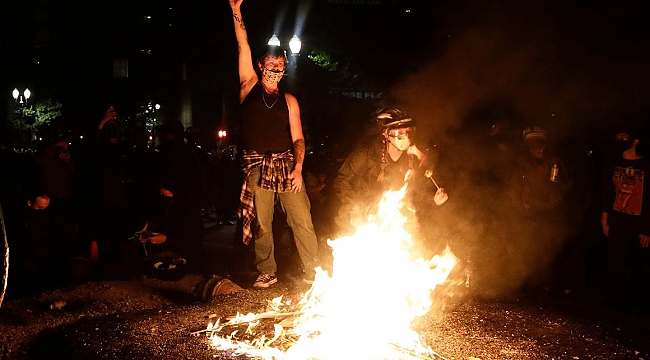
266, 315
429, 175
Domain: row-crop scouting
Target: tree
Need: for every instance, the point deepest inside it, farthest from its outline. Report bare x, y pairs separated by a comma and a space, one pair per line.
30, 119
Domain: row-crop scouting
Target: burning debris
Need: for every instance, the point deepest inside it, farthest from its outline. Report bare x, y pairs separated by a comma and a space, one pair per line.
363, 309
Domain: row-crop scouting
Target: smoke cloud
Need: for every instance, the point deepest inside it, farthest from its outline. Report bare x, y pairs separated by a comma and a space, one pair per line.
574, 71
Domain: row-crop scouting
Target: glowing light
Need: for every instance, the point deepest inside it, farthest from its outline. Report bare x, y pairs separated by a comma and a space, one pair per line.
15, 93
295, 44
363, 309
274, 40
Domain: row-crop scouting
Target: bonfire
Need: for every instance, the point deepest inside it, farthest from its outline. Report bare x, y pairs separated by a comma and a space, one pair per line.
362, 309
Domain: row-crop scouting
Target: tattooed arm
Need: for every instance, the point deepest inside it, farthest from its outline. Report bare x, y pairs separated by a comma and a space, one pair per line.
295, 126
247, 75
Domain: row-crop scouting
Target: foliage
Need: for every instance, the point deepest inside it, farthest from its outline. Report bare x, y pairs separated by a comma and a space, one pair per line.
328, 61
35, 117
324, 60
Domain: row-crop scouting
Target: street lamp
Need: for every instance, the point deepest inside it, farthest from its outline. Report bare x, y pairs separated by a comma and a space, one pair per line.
21, 101
274, 40
21, 98
295, 44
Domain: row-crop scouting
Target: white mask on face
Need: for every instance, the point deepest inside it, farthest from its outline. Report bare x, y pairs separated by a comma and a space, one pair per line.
400, 142
272, 76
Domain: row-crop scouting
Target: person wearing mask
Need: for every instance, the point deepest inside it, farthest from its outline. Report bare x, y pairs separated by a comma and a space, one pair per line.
379, 165
538, 189
625, 221
273, 154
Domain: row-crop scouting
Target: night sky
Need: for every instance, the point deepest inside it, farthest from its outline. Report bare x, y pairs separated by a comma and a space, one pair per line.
568, 64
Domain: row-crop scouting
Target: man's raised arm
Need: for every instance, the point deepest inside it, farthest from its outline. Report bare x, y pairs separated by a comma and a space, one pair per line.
247, 75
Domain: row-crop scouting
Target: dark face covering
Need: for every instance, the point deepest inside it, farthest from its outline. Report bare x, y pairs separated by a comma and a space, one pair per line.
621, 145
537, 148
499, 139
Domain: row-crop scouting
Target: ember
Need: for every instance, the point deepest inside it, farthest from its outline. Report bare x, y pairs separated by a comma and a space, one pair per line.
363, 310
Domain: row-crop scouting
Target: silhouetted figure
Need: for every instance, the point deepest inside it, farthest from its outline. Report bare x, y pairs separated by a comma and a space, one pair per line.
58, 179
107, 216
625, 221
540, 183
141, 164
181, 185
39, 244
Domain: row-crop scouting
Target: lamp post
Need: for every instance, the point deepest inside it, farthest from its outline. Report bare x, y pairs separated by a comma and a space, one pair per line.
294, 45
274, 41
21, 99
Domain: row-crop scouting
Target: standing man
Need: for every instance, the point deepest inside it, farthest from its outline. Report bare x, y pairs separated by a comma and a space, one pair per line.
273, 153
538, 189
625, 221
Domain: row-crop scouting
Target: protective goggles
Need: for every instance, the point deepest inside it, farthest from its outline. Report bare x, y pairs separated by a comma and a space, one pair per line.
399, 134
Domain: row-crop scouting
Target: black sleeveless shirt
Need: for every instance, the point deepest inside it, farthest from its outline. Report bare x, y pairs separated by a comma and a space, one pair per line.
265, 122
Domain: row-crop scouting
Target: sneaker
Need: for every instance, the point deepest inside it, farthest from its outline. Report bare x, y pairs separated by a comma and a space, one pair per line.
264, 281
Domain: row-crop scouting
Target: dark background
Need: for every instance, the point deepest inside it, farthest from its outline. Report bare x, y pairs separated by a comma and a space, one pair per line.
570, 66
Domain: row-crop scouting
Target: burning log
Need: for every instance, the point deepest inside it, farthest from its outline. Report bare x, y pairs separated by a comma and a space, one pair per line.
428, 355
216, 285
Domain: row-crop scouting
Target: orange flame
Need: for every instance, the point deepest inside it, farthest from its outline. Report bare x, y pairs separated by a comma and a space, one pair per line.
365, 308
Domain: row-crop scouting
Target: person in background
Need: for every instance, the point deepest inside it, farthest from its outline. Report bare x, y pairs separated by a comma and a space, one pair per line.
38, 239
57, 174
273, 153
107, 218
379, 165
625, 221
182, 196
538, 189
58, 179
142, 162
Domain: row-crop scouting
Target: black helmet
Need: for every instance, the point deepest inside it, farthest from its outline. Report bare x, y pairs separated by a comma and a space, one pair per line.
532, 133
393, 118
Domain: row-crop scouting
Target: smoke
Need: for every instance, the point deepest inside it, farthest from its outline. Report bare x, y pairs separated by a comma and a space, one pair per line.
573, 71
562, 67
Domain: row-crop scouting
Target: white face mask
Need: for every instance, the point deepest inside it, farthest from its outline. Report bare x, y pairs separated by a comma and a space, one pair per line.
400, 142
271, 76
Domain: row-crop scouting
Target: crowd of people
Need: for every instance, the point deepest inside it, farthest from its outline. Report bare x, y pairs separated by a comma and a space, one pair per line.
519, 212
112, 203
535, 214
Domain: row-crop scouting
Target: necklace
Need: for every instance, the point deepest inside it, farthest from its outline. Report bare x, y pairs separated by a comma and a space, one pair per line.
264, 99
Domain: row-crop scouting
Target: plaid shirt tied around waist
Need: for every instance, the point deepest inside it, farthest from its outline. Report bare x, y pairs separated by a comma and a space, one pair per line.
275, 176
